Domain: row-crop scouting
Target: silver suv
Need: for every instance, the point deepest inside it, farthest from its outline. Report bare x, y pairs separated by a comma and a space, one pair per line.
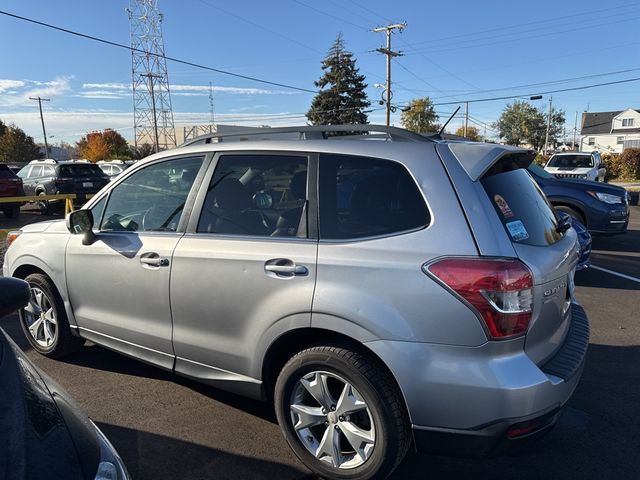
384, 290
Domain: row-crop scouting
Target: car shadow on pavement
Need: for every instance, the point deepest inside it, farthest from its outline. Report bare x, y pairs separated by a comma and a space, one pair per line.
157, 457
628, 242
596, 279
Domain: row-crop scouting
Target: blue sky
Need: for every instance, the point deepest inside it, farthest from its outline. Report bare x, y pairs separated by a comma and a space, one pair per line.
453, 52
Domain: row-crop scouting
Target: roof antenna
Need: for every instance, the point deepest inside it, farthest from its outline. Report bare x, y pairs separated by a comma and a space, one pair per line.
447, 122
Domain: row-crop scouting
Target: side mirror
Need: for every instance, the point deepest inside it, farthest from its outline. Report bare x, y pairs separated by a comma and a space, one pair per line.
15, 295
80, 222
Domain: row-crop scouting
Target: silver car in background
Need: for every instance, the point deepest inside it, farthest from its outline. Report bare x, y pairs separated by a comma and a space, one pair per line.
383, 290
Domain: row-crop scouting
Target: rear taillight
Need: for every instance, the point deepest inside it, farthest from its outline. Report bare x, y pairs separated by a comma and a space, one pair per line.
499, 290
62, 180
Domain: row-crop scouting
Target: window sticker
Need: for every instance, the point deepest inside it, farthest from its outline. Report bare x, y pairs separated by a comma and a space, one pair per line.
517, 231
503, 206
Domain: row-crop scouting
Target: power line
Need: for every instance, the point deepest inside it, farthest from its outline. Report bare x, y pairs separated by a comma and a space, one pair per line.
572, 89
551, 82
172, 59
326, 14
555, 19
472, 43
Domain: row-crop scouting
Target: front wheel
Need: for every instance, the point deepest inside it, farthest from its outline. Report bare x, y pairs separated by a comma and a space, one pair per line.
44, 321
43, 205
342, 414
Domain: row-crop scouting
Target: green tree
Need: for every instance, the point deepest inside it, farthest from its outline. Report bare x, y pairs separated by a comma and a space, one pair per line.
472, 133
420, 116
142, 151
16, 146
520, 122
342, 98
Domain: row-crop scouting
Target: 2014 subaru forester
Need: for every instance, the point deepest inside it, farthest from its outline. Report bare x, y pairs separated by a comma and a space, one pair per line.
384, 290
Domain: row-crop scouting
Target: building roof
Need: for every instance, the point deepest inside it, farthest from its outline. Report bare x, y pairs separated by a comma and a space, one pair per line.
598, 123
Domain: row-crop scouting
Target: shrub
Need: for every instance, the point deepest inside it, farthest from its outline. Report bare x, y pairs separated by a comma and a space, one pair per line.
612, 163
541, 159
627, 164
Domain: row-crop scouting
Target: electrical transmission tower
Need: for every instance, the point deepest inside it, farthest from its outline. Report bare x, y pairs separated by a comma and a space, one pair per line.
211, 104
152, 113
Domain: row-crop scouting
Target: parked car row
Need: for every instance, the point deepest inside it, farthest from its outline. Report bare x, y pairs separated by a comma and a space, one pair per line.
382, 294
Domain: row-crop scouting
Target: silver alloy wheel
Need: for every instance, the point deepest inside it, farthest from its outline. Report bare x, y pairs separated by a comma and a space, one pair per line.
40, 318
332, 420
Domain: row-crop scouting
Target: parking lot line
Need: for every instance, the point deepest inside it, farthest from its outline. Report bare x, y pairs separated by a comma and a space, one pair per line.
617, 274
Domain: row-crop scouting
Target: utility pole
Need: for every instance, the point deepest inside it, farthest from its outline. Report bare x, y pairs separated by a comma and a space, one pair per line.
389, 53
151, 76
546, 138
575, 131
44, 132
466, 119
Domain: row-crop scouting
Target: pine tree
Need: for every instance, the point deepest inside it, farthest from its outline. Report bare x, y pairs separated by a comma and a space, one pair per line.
342, 98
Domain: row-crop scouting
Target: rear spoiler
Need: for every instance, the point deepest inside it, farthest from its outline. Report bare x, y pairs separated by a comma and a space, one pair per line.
477, 159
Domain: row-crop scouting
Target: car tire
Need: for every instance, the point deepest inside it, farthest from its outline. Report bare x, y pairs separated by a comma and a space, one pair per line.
44, 205
44, 320
12, 212
572, 212
367, 409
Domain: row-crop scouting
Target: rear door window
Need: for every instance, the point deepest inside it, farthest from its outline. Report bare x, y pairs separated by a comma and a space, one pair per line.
366, 197
5, 172
80, 170
522, 208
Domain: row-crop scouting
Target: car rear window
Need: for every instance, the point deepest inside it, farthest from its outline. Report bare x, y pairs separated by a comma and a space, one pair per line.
78, 170
366, 197
523, 209
571, 161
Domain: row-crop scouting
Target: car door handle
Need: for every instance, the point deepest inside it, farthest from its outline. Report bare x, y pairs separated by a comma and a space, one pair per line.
284, 266
154, 260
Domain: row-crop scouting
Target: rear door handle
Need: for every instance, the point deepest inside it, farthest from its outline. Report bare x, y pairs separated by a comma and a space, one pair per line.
285, 267
154, 260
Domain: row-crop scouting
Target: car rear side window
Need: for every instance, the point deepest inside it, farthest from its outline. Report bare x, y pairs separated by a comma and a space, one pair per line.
260, 194
522, 208
366, 197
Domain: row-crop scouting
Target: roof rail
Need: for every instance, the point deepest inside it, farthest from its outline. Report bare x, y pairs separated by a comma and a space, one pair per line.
311, 132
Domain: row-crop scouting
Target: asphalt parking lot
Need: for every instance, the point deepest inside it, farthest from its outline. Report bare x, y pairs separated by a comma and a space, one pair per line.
167, 427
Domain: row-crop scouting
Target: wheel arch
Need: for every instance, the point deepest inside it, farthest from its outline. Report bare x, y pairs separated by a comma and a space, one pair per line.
562, 202
287, 345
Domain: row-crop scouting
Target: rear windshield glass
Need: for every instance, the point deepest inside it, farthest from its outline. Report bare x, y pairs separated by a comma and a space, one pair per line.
81, 169
571, 161
5, 171
523, 209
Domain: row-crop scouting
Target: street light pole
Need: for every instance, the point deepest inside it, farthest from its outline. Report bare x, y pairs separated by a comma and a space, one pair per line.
44, 131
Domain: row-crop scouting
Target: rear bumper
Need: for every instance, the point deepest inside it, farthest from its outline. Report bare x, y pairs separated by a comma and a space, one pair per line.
464, 400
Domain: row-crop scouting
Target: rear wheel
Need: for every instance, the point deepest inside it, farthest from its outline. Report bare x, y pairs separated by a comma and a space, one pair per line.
342, 415
12, 212
44, 321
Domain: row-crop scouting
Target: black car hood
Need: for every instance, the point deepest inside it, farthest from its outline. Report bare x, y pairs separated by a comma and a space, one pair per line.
35, 438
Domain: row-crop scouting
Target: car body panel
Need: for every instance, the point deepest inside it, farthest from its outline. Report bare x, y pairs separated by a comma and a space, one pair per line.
129, 300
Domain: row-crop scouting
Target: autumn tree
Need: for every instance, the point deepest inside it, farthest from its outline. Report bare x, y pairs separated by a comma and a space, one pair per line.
342, 98
420, 116
103, 145
472, 134
16, 146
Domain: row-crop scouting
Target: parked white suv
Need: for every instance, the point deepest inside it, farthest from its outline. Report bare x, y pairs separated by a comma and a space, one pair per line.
583, 166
